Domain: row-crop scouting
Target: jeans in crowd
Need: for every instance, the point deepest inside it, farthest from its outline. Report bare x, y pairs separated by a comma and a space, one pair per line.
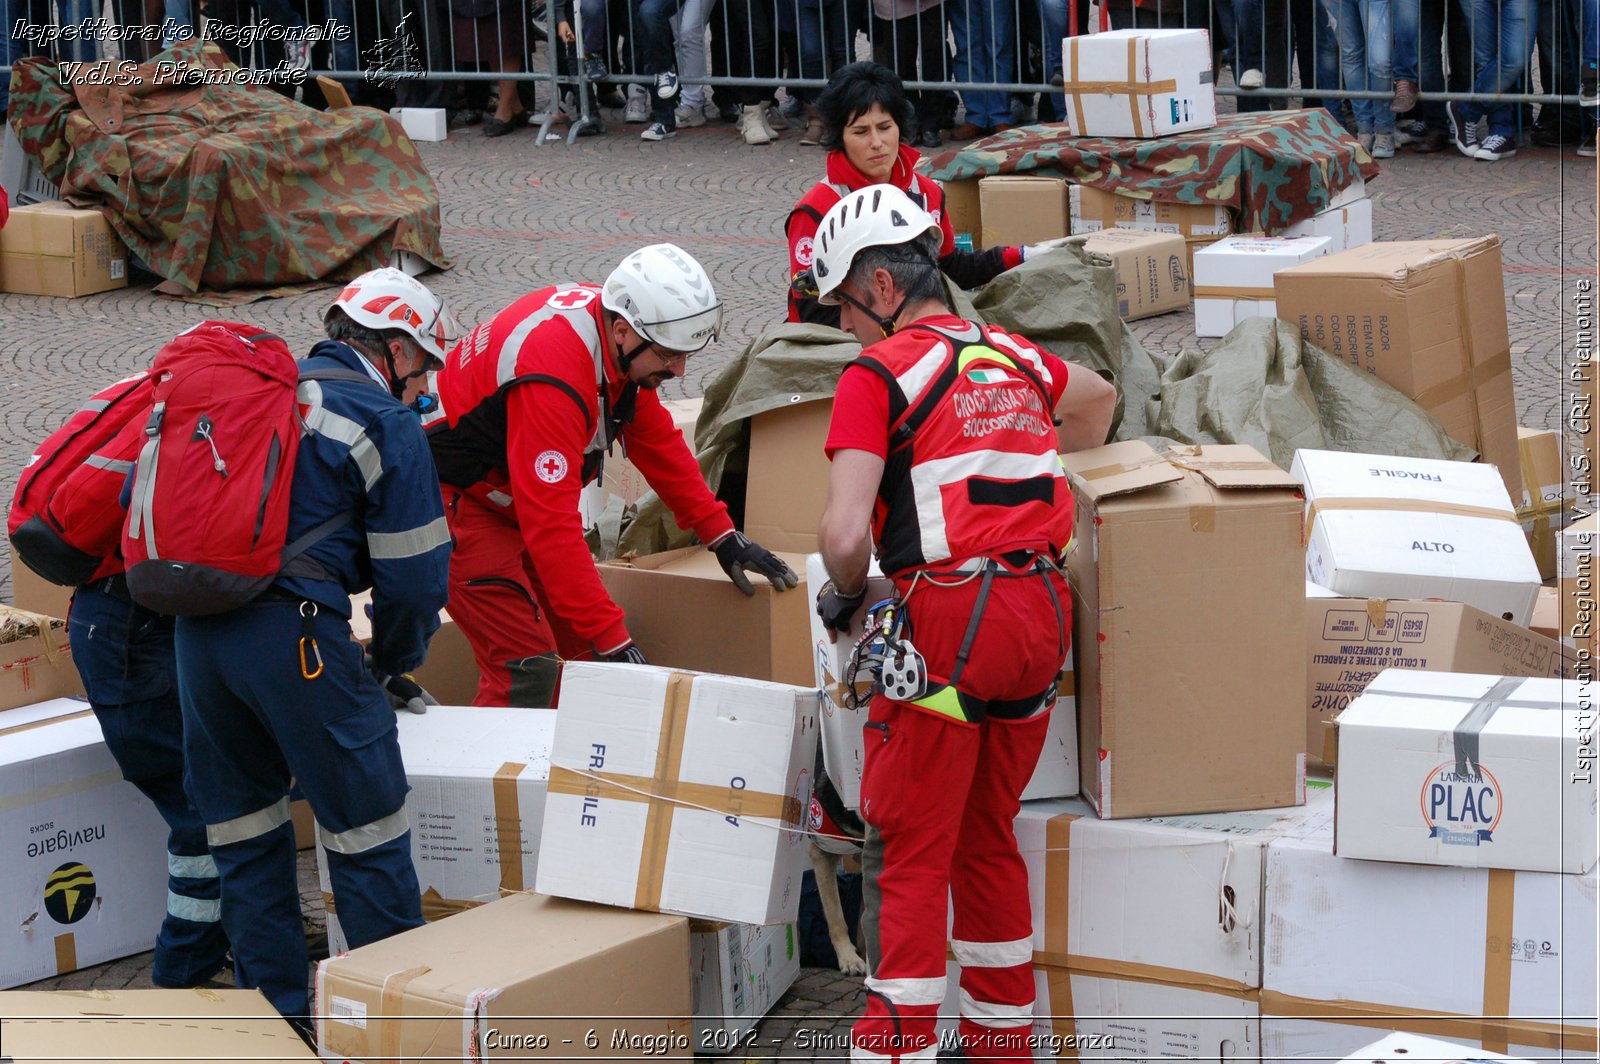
985, 50
655, 52
1316, 49
826, 29
914, 47
1419, 52
1365, 38
1260, 36
1502, 43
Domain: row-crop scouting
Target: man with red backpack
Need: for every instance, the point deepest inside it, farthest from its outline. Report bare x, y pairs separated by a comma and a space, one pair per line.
277, 688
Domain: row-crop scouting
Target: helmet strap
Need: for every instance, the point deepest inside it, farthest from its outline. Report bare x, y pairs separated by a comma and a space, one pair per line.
397, 382
625, 358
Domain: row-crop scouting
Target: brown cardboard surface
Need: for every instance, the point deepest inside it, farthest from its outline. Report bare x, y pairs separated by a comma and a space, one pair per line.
527, 967
767, 637
1350, 640
963, 208
38, 668
32, 592
1427, 317
788, 480
305, 823
1545, 507
150, 1026
51, 249
1547, 614
1152, 270
450, 674
1023, 210
622, 478
1187, 604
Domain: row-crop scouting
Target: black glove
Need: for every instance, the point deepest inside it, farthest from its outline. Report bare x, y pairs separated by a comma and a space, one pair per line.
836, 609
735, 554
403, 692
627, 654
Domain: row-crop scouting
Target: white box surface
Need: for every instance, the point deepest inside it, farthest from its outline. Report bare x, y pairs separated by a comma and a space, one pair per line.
422, 123
1379, 526
1138, 83
85, 874
679, 792
1233, 277
1457, 769
1403, 1048
1289, 1038
740, 972
1346, 226
843, 728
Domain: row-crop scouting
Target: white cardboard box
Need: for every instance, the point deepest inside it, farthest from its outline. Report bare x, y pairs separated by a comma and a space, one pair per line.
1379, 526
1346, 226
85, 874
477, 777
1138, 83
422, 123
1233, 277
1468, 770
1293, 1038
1284, 1039
843, 728
679, 792
740, 972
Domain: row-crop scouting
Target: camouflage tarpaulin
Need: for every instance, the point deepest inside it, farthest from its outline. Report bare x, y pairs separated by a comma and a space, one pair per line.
1273, 168
227, 186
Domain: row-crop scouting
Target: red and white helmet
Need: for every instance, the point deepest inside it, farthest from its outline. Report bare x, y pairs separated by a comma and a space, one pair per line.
389, 299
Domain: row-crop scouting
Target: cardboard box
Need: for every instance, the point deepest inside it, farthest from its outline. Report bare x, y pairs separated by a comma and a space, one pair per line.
1346, 226
305, 824
1138, 83
156, 1026
679, 793
1214, 525
522, 978
32, 592
1545, 508
1575, 583
740, 972
450, 673
1379, 526
422, 123
1468, 770
477, 777
1151, 269
843, 735
51, 249
788, 479
1427, 317
962, 207
1200, 225
1023, 209
1402, 1047
85, 879
1289, 1038
1233, 278
1547, 614
35, 659
622, 478
1350, 640
685, 613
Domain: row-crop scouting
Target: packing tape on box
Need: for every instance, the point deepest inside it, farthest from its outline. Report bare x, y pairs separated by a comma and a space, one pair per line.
1230, 291
44, 723
665, 792
1468, 731
1472, 377
66, 953
436, 906
1117, 469
1131, 88
508, 825
391, 1012
1415, 506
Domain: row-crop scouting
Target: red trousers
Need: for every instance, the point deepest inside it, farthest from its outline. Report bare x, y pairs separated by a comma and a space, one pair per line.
497, 600
943, 794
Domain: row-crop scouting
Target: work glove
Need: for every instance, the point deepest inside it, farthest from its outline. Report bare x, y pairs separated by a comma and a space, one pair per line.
402, 691
836, 609
627, 654
1031, 250
735, 553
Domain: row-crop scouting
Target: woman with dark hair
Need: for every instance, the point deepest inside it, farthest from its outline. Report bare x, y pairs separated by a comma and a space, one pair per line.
864, 111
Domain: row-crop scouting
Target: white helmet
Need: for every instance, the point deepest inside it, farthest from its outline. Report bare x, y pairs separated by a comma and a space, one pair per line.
875, 216
389, 299
665, 295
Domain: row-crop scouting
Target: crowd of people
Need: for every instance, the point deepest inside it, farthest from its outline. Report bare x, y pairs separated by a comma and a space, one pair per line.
648, 58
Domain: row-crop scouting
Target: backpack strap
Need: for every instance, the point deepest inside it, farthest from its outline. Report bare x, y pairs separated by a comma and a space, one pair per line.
292, 563
337, 373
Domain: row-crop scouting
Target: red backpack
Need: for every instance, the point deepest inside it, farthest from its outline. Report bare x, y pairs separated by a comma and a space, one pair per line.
210, 503
67, 515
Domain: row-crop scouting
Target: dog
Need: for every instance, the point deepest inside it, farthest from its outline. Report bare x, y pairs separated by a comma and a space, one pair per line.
835, 833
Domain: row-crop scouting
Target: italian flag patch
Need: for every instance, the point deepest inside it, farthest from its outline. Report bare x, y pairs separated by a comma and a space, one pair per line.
988, 376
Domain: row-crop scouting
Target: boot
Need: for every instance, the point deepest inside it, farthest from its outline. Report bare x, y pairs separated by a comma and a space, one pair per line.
751, 127
813, 134
771, 120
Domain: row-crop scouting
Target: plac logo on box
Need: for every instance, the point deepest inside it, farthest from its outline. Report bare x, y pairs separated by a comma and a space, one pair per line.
1461, 804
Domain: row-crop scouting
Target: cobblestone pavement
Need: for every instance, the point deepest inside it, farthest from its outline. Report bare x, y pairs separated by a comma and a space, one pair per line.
519, 215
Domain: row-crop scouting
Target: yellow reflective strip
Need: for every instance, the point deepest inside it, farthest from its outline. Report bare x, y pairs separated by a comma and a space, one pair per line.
973, 352
945, 700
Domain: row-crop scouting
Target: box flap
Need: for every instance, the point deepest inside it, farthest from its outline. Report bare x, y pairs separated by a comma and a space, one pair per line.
1117, 469
1231, 465
1391, 258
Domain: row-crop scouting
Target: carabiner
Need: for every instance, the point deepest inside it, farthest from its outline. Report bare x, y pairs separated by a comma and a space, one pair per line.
308, 613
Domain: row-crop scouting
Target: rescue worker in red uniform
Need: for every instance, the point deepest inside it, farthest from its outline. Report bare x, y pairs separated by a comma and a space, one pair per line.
531, 401
944, 448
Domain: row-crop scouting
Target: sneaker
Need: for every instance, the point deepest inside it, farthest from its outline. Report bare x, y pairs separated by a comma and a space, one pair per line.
710, 110
657, 131
1586, 148
1463, 134
298, 55
689, 117
1589, 91
666, 84
1405, 96
638, 108
1365, 137
1252, 79
1409, 132
594, 68
1383, 146
1495, 147
751, 126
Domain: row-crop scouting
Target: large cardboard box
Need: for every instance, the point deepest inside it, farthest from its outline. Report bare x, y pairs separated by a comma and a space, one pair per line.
1199, 224
1429, 318
477, 776
1547, 614
1379, 526
422, 123
85, 876
450, 673
964, 209
740, 972
788, 478
1346, 226
32, 592
1216, 528
685, 613
1344, 1034
51, 249
1401, 1047
1350, 640
35, 659
1019, 209
1138, 83
1468, 770
1151, 269
1545, 508
522, 978
622, 478
1233, 277
679, 793
843, 727
152, 1026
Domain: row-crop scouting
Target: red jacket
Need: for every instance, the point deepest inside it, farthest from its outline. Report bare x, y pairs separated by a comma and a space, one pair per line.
532, 401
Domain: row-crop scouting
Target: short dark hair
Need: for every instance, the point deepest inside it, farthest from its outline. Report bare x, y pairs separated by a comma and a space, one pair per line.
852, 92
914, 266
373, 343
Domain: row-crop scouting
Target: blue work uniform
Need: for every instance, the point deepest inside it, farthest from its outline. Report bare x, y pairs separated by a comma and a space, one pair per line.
278, 688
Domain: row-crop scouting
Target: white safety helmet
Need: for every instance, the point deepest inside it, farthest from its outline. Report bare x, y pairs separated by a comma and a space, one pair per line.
875, 216
390, 299
667, 298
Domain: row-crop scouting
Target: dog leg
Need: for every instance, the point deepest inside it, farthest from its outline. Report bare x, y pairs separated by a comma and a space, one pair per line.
826, 866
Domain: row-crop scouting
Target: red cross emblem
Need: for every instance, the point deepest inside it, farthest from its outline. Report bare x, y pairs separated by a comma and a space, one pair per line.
551, 467
571, 299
